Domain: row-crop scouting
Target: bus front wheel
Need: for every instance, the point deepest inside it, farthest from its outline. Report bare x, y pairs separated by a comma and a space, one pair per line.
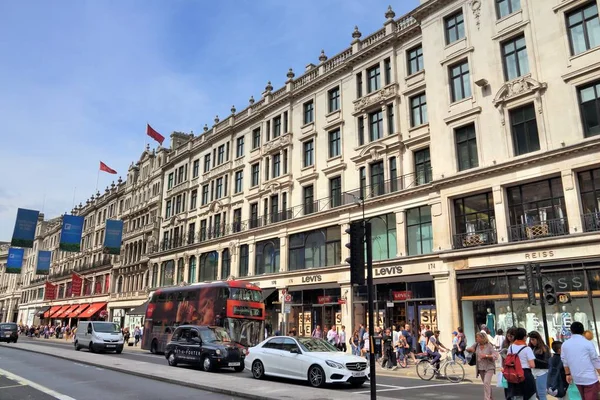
154, 347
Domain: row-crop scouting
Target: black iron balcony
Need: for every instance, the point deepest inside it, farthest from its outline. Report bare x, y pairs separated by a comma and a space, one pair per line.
475, 239
536, 230
591, 222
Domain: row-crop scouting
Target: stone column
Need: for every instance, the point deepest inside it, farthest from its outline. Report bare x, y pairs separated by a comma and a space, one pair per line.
401, 249
439, 226
219, 264
385, 124
235, 265
186, 268
501, 214
9, 311
283, 253
159, 273
446, 303
572, 202
93, 289
251, 259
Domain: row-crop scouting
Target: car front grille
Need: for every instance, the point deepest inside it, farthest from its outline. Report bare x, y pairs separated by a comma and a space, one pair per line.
357, 366
233, 354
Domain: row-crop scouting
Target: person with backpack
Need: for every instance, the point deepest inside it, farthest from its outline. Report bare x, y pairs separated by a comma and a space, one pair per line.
486, 357
457, 347
581, 363
542, 355
517, 368
409, 351
556, 384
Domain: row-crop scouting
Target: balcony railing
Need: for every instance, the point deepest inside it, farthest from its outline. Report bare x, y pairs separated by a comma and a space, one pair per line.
475, 239
549, 228
310, 207
591, 222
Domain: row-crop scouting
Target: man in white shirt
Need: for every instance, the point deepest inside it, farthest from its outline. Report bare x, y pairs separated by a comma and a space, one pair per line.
581, 363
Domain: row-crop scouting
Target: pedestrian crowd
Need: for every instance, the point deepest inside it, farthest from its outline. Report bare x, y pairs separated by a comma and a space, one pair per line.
47, 331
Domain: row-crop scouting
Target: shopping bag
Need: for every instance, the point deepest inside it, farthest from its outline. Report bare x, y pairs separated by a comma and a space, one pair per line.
573, 393
501, 381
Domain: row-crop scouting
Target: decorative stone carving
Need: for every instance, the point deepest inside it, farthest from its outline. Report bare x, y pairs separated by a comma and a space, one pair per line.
275, 145
390, 14
205, 127
322, 57
269, 87
290, 75
381, 97
356, 34
215, 206
251, 101
517, 88
375, 154
476, 8
233, 110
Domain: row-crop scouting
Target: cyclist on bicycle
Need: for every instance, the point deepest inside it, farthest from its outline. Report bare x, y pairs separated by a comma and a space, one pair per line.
433, 348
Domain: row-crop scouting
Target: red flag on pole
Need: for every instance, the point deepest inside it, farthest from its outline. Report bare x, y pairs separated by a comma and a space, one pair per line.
106, 168
154, 135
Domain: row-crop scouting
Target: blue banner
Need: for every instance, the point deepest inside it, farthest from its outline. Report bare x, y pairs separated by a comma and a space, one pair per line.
70, 235
15, 260
43, 262
25, 225
113, 237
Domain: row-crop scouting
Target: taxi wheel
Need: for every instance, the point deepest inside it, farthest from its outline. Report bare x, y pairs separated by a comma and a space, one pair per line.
154, 347
171, 360
207, 364
240, 368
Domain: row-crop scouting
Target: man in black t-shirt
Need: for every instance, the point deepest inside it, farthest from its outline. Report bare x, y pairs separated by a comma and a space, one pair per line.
387, 345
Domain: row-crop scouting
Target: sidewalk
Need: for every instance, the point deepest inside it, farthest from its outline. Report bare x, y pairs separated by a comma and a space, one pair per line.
411, 372
225, 383
127, 349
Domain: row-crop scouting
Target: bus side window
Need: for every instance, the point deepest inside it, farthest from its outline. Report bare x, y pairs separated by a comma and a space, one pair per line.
224, 293
161, 298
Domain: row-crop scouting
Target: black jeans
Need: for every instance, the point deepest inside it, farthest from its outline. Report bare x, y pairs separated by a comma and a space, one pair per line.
389, 358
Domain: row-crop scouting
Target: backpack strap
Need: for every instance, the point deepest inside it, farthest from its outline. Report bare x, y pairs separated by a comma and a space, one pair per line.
522, 348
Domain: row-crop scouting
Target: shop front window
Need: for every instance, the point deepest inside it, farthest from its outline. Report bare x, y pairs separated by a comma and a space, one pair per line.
537, 210
208, 266
315, 249
383, 234
267, 257
475, 221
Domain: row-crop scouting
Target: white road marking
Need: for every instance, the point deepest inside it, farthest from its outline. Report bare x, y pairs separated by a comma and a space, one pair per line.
392, 388
36, 386
10, 386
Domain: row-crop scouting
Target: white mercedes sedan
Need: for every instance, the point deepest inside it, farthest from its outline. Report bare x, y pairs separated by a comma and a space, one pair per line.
307, 359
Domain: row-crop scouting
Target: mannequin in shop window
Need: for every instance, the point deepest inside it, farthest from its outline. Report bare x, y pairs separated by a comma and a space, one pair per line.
490, 322
501, 323
532, 322
555, 324
511, 318
581, 317
566, 321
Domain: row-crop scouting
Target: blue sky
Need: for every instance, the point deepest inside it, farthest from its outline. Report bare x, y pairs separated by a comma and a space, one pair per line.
79, 79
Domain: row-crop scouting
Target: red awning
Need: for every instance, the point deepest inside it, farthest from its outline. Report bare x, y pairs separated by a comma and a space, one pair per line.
74, 313
59, 312
66, 313
51, 311
94, 308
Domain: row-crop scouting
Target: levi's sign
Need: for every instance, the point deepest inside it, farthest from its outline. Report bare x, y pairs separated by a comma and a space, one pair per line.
312, 278
387, 271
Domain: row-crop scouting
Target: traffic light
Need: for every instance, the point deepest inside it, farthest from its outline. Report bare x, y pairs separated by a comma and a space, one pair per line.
550, 294
357, 253
530, 283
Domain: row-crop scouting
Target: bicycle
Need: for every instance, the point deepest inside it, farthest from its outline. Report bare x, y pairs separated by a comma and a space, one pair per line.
452, 370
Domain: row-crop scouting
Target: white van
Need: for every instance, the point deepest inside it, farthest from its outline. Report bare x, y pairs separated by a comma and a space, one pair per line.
98, 336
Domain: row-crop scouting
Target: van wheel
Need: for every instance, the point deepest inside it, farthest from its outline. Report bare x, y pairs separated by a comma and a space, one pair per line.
171, 360
91, 347
77, 346
154, 347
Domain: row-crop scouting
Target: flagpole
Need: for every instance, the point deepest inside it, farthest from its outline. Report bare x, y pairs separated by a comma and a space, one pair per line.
74, 191
97, 179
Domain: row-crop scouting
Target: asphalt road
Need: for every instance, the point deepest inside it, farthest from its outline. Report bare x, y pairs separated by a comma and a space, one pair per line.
30, 376
387, 386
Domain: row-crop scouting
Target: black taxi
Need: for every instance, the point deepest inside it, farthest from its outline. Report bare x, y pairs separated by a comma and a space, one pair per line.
210, 347
9, 332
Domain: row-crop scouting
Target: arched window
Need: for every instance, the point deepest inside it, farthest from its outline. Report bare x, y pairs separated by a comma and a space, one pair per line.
314, 250
180, 271
168, 273
120, 285
154, 275
267, 257
383, 234
208, 266
192, 273
225, 264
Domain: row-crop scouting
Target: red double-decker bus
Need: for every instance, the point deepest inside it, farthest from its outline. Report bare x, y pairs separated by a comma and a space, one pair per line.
234, 305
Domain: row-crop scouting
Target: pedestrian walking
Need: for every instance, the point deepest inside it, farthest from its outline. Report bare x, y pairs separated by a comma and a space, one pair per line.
377, 343
388, 356
409, 350
517, 367
361, 334
136, 335
499, 339
317, 332
542, 355
355, 343
342, 339
486, 357
366, 344
581, 363
402, 349
457, 347
557, 384
332, 336
423, 339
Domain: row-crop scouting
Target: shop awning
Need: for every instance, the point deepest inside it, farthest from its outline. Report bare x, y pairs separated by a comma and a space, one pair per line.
75, 313
41, 311
266, 293
94, 308
65, 314
139, 310
51, 311
60, 311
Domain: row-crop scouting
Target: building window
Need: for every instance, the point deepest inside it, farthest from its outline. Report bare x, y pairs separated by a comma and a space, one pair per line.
334, 143
168, 209
466, 147
373, 78
256, 138
268, 131
277, 126
584, 28
309, 200
309, 112
253, 215
194, 200
255, 174
335, 191
334, 99
308, 159
383, 237
239, 148
507, 7
196, 168
225, 264
221, 155
589, 105
267, 257
390, 118
178, 204
237, 220
275, 208
387, 66
219, 188
207, 163
276, 165
393, 174
363, 182
208, 266
536, 210
375, 125
285, 122
285, 161
589, 186
460, 82
180, 270
359, 85
475, 221
422, 166
204, 195
514, 55
361, 131
181, 175
455, 27
203, 230
419, 235
243, 263
315, 249
418, 106
524, 130
192, 272
415, 60
377, 187
170, 181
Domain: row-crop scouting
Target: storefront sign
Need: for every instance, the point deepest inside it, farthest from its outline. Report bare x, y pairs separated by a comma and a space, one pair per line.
539, 255
325, 299
387, 271
402, 295
389, 304
342, 301
312, 278
428, 316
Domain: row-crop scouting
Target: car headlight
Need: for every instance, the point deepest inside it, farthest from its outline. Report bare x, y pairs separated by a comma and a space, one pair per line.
222, 353
334, 364
218, 352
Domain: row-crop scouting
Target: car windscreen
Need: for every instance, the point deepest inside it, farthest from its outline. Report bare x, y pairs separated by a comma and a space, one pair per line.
106, 327
214, 335
315, 345
8, 327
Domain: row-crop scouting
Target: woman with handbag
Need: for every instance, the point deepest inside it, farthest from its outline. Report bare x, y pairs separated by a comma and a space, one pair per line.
484, 359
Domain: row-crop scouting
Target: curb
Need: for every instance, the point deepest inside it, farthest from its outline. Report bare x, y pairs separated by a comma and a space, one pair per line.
192, 385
